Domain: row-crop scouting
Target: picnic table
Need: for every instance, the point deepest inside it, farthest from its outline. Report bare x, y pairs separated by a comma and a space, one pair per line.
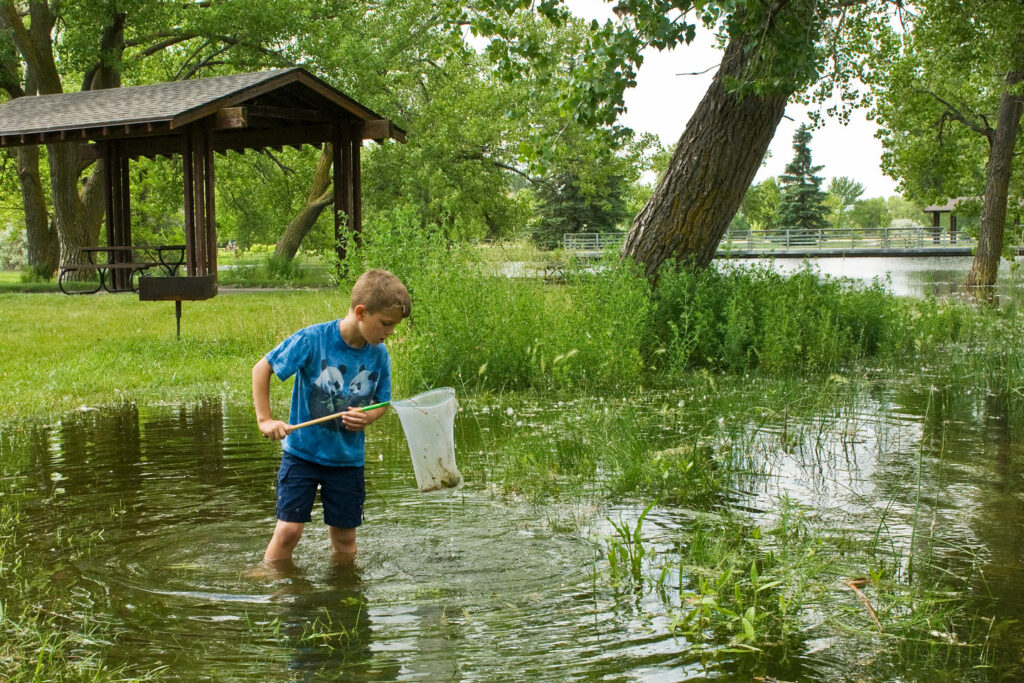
118, 268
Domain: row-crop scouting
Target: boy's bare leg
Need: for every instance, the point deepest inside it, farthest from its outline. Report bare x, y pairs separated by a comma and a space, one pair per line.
286, 537
343, 543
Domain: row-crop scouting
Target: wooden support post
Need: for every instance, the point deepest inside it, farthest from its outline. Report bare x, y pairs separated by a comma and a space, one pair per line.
199, 201
356, 138
340, 182
190, 218
117, 202
126, 218
211, 208
108, 188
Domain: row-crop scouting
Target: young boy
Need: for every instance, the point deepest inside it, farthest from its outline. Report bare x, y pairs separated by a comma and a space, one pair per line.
338, 366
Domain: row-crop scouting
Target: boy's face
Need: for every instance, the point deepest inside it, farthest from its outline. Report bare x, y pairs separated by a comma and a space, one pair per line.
376, 327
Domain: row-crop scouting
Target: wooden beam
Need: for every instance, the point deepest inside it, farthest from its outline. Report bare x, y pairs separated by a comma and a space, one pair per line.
160, 145
237, 139
252, 138
290, 113
243, 95
231, 117
382, 129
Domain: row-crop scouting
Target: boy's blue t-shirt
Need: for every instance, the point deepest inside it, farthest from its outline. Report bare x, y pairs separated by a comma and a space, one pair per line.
330, 376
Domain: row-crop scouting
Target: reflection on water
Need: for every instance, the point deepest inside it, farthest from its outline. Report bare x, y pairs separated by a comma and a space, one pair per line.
149, 523
918, 276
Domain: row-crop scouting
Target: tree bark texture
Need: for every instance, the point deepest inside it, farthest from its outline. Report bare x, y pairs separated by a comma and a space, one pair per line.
40, 232
714, 163
985, 266
318, 198
77, 205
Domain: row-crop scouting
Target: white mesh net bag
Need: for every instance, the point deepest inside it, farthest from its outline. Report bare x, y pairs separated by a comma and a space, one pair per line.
428, 420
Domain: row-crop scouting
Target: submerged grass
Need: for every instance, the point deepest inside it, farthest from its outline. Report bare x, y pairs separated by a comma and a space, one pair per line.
34, 643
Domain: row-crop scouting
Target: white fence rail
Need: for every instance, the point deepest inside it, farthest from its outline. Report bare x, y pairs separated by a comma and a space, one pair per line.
776, 241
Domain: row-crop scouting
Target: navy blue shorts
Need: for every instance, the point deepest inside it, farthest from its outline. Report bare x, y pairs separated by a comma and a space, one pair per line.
342, 492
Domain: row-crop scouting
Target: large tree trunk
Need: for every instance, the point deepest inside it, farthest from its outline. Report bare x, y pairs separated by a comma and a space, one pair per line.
985, 265
78, 217
78, 211
318, 198
40, 232
714, 163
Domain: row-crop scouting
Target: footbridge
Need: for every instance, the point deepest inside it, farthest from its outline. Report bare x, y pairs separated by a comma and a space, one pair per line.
826, 243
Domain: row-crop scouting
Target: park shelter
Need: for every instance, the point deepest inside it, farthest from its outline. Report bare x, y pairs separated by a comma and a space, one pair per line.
197, 119
936, 210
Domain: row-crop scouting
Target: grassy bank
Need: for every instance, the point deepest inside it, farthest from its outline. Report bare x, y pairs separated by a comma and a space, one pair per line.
593, 334
106, 349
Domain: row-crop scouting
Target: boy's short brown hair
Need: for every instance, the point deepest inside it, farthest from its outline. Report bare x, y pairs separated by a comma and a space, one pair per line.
378, 290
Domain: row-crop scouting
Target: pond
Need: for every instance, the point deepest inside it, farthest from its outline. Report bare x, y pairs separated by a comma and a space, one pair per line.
908, 276
147, 525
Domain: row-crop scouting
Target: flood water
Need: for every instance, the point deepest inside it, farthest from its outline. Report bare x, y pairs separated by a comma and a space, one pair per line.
910, 276
147, 524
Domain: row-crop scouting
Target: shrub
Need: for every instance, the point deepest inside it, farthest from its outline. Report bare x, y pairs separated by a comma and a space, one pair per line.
738, 318
13, 248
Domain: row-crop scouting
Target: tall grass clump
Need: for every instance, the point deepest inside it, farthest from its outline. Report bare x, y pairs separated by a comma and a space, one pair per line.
475, 327
606, 325
964, 345
734, 318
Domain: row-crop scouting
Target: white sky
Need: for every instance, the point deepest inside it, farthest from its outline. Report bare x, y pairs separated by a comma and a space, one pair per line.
662, 102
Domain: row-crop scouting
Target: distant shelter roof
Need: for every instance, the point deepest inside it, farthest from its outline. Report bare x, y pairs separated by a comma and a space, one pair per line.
291, 100
195, 119
949, 206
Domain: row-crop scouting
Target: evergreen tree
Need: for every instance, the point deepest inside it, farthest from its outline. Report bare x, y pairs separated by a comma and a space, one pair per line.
803, 203
563, 206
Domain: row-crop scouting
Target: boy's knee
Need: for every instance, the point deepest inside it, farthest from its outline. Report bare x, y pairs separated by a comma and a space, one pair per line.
343, 540
289, 533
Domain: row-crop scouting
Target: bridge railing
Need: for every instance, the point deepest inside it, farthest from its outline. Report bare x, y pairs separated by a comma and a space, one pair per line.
771, 241
591, 241
843, 238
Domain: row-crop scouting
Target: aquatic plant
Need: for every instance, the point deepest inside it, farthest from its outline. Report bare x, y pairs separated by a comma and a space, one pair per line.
35, 643
627, 550
741, 588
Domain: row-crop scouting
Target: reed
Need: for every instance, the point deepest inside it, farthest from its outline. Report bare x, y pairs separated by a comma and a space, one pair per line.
36, 643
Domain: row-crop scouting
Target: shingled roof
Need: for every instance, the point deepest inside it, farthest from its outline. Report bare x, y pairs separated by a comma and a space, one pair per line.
164, 107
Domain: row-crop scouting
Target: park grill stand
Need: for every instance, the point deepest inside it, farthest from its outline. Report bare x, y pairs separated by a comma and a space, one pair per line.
177, 289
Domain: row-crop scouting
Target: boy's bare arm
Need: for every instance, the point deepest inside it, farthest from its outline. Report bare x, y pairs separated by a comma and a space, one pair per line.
271, 428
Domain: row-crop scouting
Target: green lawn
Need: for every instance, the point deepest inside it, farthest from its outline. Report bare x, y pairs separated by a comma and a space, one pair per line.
10, 281
65, 352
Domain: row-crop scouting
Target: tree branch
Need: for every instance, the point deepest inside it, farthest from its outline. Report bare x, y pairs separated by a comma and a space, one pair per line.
513, 169
954, 114
287, 170
49, 79
205, 62
160, 45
